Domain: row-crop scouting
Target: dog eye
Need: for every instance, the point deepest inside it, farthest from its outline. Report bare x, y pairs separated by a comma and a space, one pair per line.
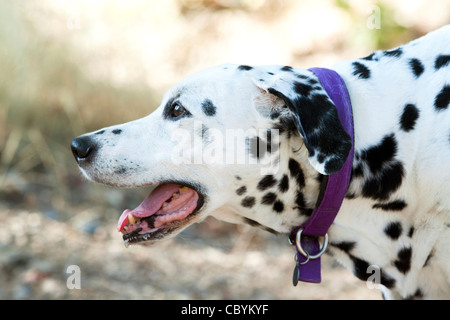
177, 111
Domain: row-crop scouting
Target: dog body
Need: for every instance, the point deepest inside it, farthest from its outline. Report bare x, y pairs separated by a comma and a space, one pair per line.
394, 224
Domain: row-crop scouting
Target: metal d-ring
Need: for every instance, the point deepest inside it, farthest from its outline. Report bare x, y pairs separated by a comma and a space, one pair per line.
304, 262
323, 246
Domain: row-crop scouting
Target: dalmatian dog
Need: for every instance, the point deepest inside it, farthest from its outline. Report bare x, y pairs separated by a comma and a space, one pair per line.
396, 212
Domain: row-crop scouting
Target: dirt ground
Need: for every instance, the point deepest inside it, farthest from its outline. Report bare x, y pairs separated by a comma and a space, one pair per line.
210, 260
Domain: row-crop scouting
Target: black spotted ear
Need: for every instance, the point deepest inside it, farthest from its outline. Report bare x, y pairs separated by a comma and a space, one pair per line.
315, 117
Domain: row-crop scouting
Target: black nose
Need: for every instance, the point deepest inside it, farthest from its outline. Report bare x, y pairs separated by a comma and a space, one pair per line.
83, 148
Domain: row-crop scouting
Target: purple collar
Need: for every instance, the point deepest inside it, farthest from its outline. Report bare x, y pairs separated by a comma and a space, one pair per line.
311, 237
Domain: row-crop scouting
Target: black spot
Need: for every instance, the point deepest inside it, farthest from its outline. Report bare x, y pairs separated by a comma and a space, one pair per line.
345, 246
393, 230
296, 172
357, 171
394, 53
321, 158
350, 195
251, 222
257, 147
418, 294
244, 67
274, 114
409, 117
267, 145
100, 132
302, 76
287, 68
379, 155
333, 165
283, 185
286, 124
360, 268
302, 89
361, 271
120, 170
278, 206
117, 131
301, 205
270, 73
248, 202
411, 232
441, 61
238, 178
254, 223
361, 70
300, 200
204, 133
208, 108
416, 67
397, 205
370, 57
403, 262
270, 230
266, 182
241, 190
320, 177
387, 173
269, 198
387, 280
442, 100
382, 185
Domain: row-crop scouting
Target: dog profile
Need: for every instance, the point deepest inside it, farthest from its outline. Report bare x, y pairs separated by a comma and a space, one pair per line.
396, 212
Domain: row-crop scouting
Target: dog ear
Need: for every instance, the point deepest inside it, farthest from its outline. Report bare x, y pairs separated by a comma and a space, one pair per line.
314, 117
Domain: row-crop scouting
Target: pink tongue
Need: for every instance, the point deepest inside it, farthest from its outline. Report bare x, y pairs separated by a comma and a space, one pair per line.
155, 200
152, 203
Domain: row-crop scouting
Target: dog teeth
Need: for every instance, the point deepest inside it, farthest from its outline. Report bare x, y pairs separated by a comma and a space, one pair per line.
184, 189
131, 219
165, 204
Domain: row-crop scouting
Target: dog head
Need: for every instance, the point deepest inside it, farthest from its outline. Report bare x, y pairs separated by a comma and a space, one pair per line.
241, 143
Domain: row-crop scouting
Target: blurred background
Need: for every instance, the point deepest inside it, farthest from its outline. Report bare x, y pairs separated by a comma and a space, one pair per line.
68, 67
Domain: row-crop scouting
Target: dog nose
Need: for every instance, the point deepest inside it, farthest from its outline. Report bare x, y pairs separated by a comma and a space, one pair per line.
83, 148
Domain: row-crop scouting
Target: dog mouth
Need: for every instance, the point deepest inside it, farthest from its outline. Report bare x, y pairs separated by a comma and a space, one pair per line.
167, 208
